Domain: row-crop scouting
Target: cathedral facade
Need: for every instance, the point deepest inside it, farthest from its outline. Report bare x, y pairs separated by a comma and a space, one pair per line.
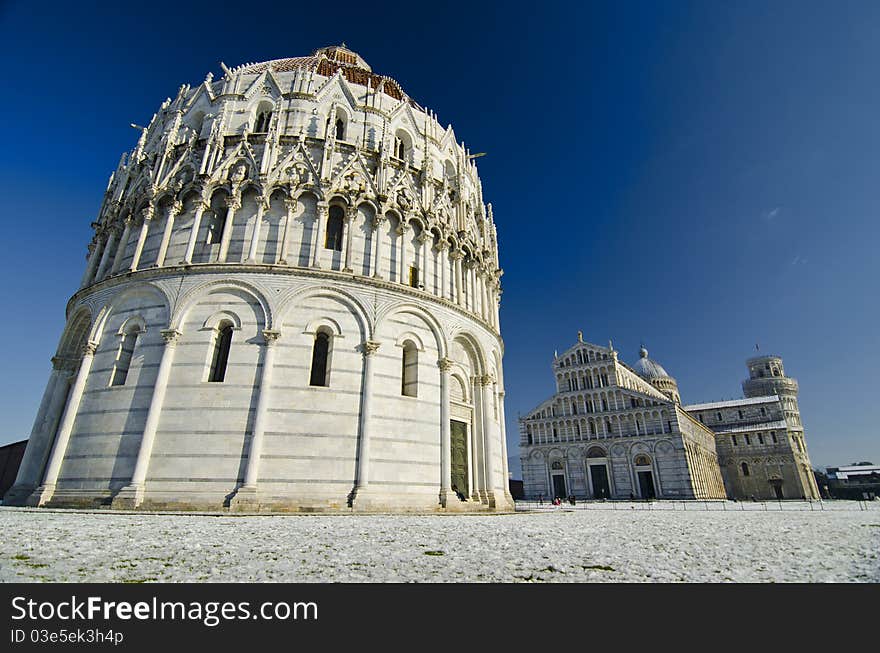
290, 303
615, 431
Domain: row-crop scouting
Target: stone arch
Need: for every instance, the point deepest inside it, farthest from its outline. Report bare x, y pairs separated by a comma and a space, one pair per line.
108, 309
344, 297
432, 323
462, 386
472, 347
219, 317
192, 297
77, 332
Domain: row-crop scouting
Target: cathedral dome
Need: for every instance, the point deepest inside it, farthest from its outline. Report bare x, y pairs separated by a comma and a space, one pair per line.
647, 368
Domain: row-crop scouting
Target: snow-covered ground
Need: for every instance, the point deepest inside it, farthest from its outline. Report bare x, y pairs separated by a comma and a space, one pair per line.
628, 543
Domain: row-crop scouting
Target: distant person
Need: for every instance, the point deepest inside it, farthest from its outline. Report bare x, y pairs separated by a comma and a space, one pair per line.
458, 493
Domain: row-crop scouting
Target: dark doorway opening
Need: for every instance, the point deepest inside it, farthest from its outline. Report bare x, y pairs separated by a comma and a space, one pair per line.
646, 485
559, 486
599, 476
777, 489
459, 457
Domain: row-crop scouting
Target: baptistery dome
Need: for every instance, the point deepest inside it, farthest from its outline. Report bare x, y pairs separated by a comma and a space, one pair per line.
290, 302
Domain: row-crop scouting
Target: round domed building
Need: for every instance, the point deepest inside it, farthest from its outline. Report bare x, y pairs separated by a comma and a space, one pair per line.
290, 303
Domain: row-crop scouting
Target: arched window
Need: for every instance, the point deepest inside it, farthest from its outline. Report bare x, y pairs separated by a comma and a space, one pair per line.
745, 469
320, 357
262, 124
340, 129
642, 461
222, 343
409, 380
333, 239
399, 148
123, 356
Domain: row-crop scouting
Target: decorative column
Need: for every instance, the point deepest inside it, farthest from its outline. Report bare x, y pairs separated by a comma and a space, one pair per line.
44, 493
424, 237
496, 304
30, 470
322, 215
456, 257
132, 495
368, 348
246, 496
290, 203
232, 205
350, 215
442, 246
503, 429
123, 243
201, 207
255, 236
377, 241
146, 217
108, 250
174, 210
446, 494
94, 257
488, 444
402, 230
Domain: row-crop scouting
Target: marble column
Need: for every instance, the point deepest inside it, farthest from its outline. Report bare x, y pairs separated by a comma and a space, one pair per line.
108, 252
377, 241
444, 267
246, 495
146, 218
456, 257
502, 427
402, 231
201, 207
175, 209
488, 437
132, 495
350, 215
369, 348
423, 239
44, 493
322, 215
94, 257
39, 445
446, 494
290, 204
232, 205
123, 243
255, 235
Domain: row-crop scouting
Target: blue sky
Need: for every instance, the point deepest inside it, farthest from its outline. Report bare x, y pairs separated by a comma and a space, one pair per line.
698, 176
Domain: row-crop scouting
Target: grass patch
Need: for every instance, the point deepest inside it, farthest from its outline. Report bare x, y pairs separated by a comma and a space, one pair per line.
434, 553
21, 556
598, 567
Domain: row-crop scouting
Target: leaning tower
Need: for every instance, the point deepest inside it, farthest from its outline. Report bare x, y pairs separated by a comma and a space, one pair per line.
290, 302
767, 377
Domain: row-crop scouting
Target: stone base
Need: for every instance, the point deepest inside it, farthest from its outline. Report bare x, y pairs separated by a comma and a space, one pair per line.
17, 495
40, 496
128, 498
451, 503
245, 500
